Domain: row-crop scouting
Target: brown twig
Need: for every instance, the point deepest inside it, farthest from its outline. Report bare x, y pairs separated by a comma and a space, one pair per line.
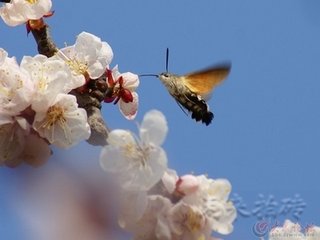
44, 41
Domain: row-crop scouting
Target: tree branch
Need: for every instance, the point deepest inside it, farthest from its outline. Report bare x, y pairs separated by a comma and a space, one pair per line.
44, 41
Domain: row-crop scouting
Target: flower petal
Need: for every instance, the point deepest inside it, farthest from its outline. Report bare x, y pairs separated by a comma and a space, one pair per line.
220, 189
129, 110
154, 128
16, 87
131, 80
3, 56
142, 177
90, 50
169, 180
112, 160
113, 157
221, 215
120, 138
49, 76
133, 205
103, 60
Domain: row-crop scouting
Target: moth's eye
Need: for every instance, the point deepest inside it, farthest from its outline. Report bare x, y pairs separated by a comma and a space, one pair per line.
165, 75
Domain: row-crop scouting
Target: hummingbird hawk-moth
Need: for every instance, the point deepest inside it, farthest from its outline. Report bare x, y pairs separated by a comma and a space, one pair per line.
192, 90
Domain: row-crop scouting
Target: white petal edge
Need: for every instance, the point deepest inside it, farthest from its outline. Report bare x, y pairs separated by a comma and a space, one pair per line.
154, 127
130, 110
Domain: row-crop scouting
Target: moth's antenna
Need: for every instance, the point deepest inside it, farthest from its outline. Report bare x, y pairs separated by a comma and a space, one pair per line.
157, 75
167, 59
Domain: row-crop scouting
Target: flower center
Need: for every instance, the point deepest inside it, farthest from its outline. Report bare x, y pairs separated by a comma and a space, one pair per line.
77, 67
137, 153
118, 91
32, 1
55, 115
194, 220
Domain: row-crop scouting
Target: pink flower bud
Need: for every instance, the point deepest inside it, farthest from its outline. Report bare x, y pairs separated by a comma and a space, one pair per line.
187, 184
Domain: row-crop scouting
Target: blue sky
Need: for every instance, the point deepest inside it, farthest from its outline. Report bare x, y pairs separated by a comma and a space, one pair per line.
265, 134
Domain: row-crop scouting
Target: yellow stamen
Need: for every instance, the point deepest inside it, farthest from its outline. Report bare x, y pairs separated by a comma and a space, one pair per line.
137, 153
75, 65
193, 220
56, 116
202, 237
32, 1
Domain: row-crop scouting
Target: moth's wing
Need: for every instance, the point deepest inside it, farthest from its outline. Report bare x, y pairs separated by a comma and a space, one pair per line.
204, 81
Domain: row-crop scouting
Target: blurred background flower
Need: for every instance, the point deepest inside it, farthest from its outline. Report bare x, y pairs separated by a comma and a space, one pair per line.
59, 201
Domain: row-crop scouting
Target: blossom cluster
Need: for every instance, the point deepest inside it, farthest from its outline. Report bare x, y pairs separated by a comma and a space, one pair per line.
36, 108
294, 231
18, 12
156, 203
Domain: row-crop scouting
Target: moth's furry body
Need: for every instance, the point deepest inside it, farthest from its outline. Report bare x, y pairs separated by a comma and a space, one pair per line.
190, 100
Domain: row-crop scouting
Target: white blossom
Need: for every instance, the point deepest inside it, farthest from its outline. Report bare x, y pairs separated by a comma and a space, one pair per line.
63, 123
88, 56
20, 11
139, 164
204, 202
50, 77
128, 105
188, 222
212, 197
16, 88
